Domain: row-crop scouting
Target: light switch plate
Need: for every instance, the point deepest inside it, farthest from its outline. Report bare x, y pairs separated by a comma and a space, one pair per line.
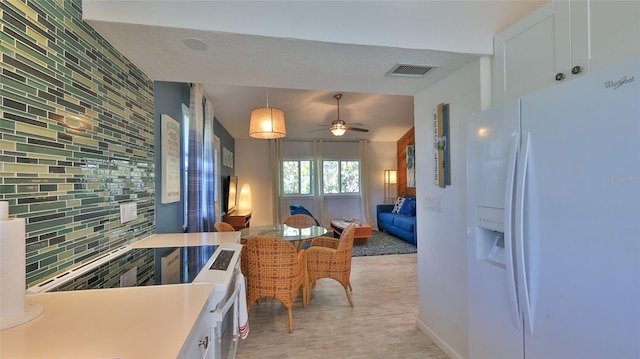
433, 203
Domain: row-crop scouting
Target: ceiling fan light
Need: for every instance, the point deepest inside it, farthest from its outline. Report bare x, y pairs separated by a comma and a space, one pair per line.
267, 123
338, 130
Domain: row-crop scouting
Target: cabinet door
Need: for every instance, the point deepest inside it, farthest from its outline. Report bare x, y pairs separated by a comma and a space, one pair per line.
614, 31
201, 343
529, 54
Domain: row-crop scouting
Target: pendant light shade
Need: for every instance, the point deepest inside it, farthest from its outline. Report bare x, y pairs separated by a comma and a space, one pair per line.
267, 123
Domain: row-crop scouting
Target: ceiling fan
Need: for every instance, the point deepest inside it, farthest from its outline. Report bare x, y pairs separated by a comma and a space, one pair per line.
339, 127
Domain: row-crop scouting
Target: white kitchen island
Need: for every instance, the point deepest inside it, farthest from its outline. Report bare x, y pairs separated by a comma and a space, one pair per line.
134, 322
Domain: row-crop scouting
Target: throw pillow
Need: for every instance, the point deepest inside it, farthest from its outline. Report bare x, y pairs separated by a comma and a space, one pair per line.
408, 208
398, 205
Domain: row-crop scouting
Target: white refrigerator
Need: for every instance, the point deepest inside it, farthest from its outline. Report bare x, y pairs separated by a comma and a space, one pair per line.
554, 222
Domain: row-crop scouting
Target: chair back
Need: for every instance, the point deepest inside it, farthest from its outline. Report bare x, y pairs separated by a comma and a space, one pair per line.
345, 247
223, 227
298, 209
300, 221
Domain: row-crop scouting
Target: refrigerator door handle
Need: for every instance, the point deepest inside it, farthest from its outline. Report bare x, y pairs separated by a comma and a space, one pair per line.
519, 234
516, 314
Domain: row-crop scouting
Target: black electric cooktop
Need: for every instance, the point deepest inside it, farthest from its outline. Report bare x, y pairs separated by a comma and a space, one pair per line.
143, 267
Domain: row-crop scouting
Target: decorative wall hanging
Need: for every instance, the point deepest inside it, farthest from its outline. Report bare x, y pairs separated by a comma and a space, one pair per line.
170, 134
411, 166
227, 158
441, 146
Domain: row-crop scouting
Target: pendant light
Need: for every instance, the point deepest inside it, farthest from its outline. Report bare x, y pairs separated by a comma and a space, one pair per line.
267, 122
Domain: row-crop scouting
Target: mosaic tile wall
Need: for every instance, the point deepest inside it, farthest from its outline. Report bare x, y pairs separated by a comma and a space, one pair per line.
76, 135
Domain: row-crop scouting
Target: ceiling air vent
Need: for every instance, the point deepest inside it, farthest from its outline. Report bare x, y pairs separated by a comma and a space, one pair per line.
408, 70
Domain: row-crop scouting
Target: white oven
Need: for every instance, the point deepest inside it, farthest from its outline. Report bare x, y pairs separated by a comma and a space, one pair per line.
218, 324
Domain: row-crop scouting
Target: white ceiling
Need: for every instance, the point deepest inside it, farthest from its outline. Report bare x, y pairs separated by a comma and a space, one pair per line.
304, 52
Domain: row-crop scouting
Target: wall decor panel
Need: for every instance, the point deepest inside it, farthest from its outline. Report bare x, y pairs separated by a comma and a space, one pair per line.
406, 140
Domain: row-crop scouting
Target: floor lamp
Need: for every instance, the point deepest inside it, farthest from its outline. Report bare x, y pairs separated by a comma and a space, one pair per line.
390, 183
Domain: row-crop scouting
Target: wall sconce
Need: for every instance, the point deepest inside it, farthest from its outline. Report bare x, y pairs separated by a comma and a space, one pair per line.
244, 202
390, 186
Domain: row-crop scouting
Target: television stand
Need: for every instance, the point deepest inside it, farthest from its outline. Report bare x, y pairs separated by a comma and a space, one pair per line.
239, 219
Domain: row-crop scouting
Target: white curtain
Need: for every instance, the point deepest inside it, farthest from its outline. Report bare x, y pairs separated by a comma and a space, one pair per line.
276, 157
318, 192
364, 180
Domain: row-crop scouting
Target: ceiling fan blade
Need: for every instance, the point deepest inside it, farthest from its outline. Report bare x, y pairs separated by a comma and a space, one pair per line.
356, 124
320, 129
357, 129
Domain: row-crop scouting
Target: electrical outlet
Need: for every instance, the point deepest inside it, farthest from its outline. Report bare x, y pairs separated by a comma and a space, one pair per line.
128, 212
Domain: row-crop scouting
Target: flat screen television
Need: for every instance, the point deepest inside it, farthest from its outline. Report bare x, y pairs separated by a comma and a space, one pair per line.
231, 194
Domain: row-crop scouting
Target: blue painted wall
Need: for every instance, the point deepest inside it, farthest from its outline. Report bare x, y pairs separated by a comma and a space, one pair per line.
228, 142
168, 99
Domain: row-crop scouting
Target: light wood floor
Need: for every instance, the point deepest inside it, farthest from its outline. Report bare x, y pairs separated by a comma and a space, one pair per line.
382, 323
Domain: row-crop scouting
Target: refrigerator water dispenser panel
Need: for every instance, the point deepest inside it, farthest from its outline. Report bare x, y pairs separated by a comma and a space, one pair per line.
490, 218
490, 236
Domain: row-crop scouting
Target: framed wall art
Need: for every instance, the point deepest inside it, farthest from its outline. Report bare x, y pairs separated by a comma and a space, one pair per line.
227, 158
170, 162
441, 146
411, 166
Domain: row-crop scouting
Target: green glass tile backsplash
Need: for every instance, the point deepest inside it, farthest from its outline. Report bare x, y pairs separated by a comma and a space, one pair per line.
76, 136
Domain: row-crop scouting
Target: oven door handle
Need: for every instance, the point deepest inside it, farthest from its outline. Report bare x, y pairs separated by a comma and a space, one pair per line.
219, 314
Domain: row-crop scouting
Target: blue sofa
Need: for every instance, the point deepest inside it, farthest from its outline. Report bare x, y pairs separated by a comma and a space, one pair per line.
399, 225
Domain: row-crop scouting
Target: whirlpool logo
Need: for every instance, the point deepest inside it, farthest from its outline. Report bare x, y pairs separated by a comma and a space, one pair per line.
614, 85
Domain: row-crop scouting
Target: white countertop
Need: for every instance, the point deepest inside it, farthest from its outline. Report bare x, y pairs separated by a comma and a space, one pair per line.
150, 322
134, 322
187, 239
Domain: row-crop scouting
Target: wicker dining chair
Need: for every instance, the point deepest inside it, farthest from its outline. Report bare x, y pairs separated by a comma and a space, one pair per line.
223, 227
331, 258
273, 268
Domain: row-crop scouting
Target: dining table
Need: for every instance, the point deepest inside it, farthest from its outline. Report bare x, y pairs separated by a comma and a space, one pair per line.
298, 236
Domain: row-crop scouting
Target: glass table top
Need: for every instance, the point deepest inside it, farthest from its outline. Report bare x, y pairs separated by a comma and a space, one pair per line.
283, 231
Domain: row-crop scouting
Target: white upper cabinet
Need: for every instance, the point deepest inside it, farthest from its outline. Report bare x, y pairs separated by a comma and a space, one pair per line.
614, 32
561, 40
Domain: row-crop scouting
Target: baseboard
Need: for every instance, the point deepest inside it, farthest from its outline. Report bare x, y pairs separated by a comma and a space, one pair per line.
437, 340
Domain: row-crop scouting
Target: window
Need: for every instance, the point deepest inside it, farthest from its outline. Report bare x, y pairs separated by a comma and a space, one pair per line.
341, 177
296, 177
337, 177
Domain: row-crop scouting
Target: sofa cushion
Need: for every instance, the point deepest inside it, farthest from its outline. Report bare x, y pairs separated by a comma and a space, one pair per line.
386, 217
408, 207
398, 205
406, 223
